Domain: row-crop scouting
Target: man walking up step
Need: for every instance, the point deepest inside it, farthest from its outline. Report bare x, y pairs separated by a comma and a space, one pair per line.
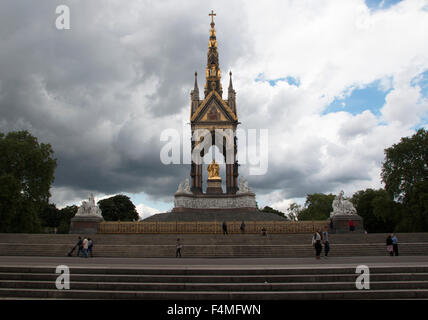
325, 241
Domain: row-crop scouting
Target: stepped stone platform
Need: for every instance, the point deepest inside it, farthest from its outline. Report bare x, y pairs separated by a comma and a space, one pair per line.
202, 215
214, 279
211, 245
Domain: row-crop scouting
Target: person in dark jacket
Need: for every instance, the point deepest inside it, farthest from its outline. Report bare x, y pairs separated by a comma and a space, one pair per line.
224, 227
77, 245
325, 242
389, 246
394, 244
90, 246
242, 227
178, 248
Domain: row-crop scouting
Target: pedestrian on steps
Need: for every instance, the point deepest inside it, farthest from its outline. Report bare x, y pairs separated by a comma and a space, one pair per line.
178, 247
351, 225
242, 227
85, 247
325, 242
77, 245
389, 246
90, 246
395, 244
316, 242
224, 227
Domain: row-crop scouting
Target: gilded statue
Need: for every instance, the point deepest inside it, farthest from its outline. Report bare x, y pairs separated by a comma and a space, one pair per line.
213, 170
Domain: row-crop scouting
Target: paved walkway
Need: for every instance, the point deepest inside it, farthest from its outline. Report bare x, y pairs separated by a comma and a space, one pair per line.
209, 263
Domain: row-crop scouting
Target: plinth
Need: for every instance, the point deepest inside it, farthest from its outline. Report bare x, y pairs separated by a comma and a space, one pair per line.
341, 223
85, 224
214, 186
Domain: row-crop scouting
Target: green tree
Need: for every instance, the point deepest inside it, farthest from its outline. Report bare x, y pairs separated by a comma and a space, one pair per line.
26, 174
119, 207
272, 210
66, 214
378, 210
415, 216
317, 207
406, 164
50, 216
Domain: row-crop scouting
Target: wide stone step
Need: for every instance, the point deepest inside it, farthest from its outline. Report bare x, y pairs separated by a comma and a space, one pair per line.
165, 239
136, 286
209, 295
187, 271
211, 250
214, 278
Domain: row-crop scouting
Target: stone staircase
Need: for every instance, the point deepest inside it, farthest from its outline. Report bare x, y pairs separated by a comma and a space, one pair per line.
393, 282
210, 245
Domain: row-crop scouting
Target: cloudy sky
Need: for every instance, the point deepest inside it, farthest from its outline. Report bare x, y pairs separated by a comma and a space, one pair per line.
335, 83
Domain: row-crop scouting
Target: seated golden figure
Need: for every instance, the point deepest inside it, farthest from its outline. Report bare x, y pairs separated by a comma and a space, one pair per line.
213, 171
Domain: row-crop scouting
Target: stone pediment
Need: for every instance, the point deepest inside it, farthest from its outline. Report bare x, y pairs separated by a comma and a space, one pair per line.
213, 109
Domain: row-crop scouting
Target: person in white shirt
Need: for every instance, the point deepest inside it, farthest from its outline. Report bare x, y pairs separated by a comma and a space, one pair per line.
316, 242
85, 245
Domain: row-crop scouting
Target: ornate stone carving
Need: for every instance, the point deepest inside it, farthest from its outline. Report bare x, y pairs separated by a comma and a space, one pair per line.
243, 186
245, 201
184, 187
342, 206
89, 208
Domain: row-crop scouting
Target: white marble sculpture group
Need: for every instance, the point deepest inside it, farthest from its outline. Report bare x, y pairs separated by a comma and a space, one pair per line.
89, 208
342, 206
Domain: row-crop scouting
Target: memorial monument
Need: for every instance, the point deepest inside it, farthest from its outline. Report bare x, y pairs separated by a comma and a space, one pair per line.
344, 212
214, 119
87, 218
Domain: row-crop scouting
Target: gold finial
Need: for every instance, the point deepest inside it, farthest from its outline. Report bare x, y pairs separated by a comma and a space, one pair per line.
212, 14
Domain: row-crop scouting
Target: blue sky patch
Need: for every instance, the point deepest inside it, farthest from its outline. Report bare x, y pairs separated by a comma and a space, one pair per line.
422, 82
272, 82
370, 97
380, 4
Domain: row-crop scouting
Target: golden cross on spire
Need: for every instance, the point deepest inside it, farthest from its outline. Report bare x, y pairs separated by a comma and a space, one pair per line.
212, 14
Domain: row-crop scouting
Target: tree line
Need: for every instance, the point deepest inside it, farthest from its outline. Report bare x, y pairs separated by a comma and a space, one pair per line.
27, 172
401, 206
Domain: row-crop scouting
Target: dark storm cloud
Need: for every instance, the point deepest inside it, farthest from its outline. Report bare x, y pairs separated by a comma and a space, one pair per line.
102, 92
81, 90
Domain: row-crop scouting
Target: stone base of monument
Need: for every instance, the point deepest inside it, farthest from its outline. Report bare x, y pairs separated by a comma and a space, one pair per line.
341, 223
85, 224
200, 202
214, 186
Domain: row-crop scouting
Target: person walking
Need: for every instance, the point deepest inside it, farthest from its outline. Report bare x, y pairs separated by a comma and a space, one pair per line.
178, 248
394, 244
85, 247
224, 227
389, 246
325, 242
316, 242
351, 225
90, 246
242, 227
79, 247
331, 225
79, 241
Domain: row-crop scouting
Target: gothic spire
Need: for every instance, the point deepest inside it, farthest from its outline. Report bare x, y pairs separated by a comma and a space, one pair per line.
213, 73
196, 89
230, 81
